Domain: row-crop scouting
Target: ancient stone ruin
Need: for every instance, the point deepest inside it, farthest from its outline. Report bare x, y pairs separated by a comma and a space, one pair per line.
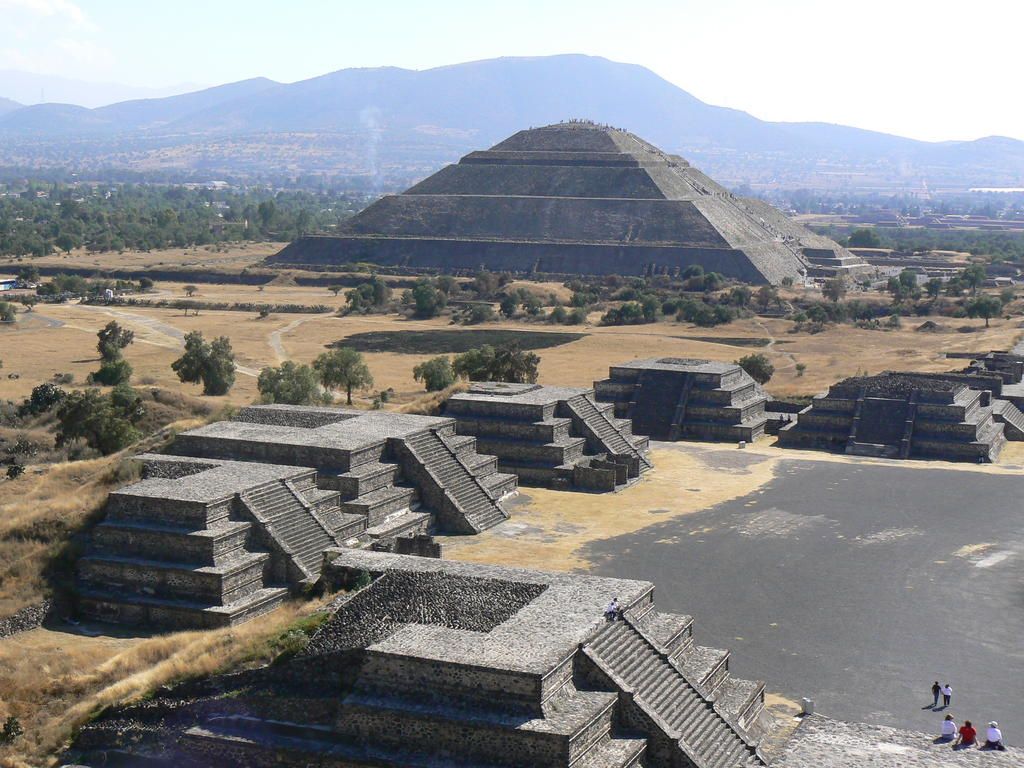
903, 415
240, 512
672, 398
577, 198
446, 663
559, 437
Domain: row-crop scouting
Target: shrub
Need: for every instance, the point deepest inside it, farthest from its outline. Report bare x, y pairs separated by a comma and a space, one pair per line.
290, 383
506, 363
112, 372
436, 373
758, 366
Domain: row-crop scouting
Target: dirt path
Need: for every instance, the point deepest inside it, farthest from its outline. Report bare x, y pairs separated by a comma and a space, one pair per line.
274, 339
771, 349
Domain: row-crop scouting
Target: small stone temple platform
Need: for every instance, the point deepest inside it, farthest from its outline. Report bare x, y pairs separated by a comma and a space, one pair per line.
239, 512
442, 663
903, 415
673, 398
559, 437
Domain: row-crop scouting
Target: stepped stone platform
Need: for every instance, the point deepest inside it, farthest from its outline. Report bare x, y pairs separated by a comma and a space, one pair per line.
673, 398
821, 742
576, 198
559, 437
446, 663
903, 415
238, 513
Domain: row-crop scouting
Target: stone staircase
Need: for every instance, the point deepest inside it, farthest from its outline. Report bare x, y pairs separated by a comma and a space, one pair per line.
455, 485
292, 524
703, 736
1010, 417
600, 428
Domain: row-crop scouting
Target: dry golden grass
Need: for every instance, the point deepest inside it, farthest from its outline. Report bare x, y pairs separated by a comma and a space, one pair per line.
55, 681
230, 257
36, 351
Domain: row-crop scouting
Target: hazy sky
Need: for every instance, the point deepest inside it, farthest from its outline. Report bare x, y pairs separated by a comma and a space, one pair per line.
932, 70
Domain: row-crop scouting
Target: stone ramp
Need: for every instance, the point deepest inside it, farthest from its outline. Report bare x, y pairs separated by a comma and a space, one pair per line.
1010, 417
600, 428
703, 736
293, 525
463, 502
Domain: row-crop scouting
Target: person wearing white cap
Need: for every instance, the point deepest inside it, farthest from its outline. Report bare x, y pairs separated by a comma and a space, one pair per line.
994, 737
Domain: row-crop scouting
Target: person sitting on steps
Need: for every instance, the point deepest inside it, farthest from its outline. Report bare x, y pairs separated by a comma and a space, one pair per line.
967, 738
948, 732
611, 613
994, 737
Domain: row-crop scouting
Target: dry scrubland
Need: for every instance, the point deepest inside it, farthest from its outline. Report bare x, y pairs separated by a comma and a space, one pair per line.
61, 338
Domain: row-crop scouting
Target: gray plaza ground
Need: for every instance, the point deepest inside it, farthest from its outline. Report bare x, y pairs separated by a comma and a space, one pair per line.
856, 584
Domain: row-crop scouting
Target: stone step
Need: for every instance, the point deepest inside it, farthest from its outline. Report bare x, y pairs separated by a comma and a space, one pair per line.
209, 546
398, 525
614, 752
704, 666
365, 478
377, 505
117, 607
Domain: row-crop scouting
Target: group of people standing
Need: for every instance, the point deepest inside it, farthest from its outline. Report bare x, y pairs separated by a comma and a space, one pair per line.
966, 735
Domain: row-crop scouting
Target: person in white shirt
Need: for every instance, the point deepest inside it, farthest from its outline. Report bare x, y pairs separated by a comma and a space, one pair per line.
947, 695
948, 728
611, 613
994, 737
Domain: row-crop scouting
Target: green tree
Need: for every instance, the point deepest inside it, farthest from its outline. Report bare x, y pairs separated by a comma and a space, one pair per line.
343, 368
984, 306
112, 339
112, 372
436, 373
740, 296
933, 287
506, 363
289, 383
212, 364
767, 295
427, 300
508, 305
7, 312
11, 731
103, 423
758, 366
973, 276
864, 238
834, 288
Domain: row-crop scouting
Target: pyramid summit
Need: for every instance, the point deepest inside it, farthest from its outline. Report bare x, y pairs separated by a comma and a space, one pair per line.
575, 198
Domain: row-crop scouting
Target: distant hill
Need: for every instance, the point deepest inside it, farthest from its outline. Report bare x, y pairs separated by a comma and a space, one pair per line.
32, 88
8, 105
410, 122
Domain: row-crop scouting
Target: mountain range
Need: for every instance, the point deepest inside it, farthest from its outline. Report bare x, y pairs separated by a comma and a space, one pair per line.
392, 121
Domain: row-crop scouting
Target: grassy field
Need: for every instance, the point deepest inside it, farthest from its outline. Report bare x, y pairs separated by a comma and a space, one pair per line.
61, 338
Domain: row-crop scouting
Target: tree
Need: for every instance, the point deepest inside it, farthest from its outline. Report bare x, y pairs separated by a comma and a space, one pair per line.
145, 284
212, 364
984, 306
335, 289
343, 368
44, 398
6, 312
973, 276
28, 274
766, 295
190, 290
290, 383
103, 423
112, 339
740, 296
834, 288
508, 305
864, 238
112, 372
436, 374
506, 363
11, 731
427, 300
758, 366
933, 287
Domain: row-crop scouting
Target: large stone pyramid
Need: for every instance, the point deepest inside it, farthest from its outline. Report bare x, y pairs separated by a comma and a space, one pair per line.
575, 198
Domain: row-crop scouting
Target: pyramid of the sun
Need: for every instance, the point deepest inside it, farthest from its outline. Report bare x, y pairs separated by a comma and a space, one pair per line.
575, 198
